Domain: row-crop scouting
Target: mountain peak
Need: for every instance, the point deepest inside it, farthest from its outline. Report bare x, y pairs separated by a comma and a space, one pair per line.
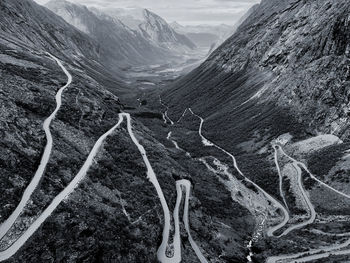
151, 26
55, 4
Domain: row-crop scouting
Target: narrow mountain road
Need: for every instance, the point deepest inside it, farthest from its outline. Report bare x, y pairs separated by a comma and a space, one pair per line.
313, 254
280, 176
165, 114
298, 257
7, 224
173, 141
9, 252
308, 202
312, 176
187, 185
161, 253
207, 142
182, 116
319, 232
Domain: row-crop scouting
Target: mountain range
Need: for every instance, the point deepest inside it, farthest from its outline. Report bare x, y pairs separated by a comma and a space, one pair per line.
205, 35
150, 41
244, 159
152, 27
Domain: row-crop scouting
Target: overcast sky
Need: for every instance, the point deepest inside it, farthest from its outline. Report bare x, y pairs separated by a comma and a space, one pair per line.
182, 11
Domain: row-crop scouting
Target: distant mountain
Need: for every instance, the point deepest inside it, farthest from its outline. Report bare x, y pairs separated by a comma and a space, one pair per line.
204, 35
119, 42
233, 29
211, 36
25, 25
153, 28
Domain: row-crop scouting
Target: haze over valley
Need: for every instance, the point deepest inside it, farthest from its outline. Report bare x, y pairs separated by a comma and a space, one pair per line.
155, 131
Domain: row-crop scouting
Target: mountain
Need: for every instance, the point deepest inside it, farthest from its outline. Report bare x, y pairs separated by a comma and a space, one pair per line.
152, 27
281, 66
44, 30
29, 26
77, 156
204, 35
120, 44
245, 159
285, 71
211, 36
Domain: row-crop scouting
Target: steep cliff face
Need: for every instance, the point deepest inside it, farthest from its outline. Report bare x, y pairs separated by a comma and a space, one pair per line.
153, 28
33, 25
119, 44
158, 30
291, 54
28, 26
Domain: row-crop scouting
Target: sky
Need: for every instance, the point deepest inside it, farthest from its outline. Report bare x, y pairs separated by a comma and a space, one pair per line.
186, 12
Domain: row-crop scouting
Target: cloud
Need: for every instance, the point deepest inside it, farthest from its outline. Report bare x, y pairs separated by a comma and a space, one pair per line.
182, 11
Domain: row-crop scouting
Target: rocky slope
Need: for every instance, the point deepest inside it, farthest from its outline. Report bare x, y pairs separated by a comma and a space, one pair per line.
114, 215
116, 41
26, 25
284, 71
153, 28
293, 55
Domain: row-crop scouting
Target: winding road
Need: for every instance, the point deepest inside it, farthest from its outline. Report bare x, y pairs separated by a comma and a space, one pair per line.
300, 257
8, 223
187, 185
9, 252
165, 114
314, 254
308, 202
280, 176
314, 177
207, 142
161, 253
180, 186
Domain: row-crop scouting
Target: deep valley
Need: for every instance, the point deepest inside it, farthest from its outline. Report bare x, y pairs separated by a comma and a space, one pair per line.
149, 142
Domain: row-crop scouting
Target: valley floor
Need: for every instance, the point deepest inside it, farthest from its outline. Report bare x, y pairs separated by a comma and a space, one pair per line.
229, 214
